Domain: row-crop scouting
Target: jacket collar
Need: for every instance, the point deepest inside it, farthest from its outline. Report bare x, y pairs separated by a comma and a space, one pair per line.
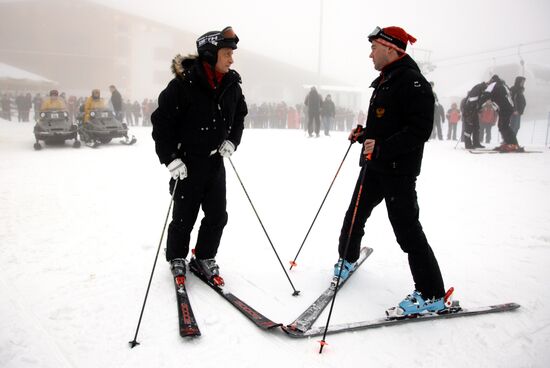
390, 70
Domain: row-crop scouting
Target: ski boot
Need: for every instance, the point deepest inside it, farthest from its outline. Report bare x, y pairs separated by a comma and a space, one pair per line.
209, 269
415, 304
346, 271
178, 268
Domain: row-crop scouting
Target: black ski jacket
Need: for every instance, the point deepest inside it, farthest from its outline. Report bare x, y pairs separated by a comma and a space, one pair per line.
400, 119
192, 118
518, 97
499, 93
116, 101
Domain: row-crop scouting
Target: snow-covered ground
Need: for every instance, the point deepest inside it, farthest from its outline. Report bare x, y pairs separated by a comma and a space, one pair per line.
80, 228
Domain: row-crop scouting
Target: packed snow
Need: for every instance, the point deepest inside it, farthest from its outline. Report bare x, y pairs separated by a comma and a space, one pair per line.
80, 229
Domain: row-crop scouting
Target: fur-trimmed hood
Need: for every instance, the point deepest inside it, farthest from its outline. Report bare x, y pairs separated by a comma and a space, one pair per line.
180, 64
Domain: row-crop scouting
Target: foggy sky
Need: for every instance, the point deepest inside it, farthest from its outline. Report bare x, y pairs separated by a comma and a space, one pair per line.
288, 30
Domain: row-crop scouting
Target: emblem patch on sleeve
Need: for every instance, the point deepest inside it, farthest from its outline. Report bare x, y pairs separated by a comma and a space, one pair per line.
380, 112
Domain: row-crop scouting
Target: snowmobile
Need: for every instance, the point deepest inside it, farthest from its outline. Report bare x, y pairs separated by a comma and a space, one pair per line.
102, 127
54, 127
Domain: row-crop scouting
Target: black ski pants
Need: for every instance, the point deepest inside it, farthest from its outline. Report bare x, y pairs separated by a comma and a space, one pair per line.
471, 131
313, 123
399, 193
508, 135
204, 187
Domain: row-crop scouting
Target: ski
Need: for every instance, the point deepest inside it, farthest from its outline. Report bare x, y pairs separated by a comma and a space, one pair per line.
187, 322
385, 322
478, 152
92, 144
129, 141
312, 313
256, 317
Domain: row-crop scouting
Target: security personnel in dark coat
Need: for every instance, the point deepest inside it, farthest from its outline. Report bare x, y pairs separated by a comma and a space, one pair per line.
399, 122
471, 106
498, 92
198, 122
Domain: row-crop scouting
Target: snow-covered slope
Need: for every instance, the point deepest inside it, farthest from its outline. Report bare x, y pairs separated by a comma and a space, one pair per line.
80, 228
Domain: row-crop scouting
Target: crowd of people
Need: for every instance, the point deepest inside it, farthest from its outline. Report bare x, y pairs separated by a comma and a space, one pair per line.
19, 105
487, 104
284, 116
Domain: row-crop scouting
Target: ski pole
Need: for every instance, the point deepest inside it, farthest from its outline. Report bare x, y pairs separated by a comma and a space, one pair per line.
363, 171
296, 292
134, 342
293, 262
459, 140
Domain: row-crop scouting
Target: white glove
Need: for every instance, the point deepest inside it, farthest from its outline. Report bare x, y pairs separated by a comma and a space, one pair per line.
226, 149
177, 169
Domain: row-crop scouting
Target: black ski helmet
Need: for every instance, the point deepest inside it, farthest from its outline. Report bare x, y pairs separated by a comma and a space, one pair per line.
209, 43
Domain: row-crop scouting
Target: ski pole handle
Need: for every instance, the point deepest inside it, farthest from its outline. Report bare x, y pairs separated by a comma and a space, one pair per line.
354, 135
369, 147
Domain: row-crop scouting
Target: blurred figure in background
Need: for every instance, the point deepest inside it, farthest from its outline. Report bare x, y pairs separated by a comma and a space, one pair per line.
116, 102
488, 116
328, 112
453, 116
313, 102
518, 98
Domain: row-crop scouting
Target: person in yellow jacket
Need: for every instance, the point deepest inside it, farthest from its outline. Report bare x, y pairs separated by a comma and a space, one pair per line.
53, 102
93, 102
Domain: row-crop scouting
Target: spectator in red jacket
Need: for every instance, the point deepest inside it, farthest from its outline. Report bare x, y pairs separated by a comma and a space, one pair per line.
453, 116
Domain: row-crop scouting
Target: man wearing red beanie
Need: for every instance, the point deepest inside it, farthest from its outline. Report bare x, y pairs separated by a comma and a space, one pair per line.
399, 122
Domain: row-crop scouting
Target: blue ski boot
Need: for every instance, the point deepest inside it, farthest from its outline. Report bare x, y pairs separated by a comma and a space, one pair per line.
346, 271
415, 304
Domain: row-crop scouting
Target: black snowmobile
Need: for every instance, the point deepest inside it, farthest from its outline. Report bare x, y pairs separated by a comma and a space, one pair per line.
102, 128
54, 127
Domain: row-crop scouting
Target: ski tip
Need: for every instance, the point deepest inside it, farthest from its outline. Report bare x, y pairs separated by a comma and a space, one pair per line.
133, 344
513, 306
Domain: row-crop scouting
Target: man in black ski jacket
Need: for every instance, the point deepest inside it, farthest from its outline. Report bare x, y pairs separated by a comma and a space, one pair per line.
198, 122
399, 122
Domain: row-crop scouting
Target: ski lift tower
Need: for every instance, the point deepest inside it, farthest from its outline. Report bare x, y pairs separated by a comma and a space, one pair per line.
423, 59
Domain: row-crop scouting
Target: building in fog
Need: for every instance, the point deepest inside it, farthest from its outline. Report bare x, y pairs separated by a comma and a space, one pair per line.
83, 45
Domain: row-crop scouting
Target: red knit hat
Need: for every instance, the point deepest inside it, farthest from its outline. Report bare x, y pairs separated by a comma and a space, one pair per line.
394, 37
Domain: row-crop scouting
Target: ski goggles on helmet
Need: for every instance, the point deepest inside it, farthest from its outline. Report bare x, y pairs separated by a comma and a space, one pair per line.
225, 38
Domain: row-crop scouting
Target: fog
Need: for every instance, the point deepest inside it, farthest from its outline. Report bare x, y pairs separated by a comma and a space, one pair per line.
463, 40
459, 43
